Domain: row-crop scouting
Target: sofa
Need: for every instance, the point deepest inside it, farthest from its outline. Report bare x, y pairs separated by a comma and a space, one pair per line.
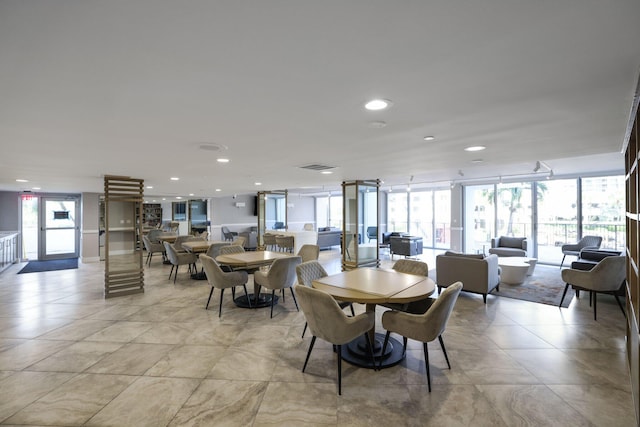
478, 273
328, 237
509, 246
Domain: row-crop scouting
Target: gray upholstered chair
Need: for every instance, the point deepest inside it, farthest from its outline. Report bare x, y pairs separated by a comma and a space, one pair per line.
509, 246
223, 280
178, 258
154, 234
309, 252
327, 321
309, 271
231, 249
269, 241
285, 243
587, 242
478, 273
151, 248
214, 249
228, 234
182, 239
281, 275
606, 277
240, 241
423, 327
418, 268
203, 235
372, 233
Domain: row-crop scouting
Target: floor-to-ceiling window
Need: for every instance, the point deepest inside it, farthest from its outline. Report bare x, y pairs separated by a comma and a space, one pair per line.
603, 206
397, 212
557, 217
329, 211
479, 215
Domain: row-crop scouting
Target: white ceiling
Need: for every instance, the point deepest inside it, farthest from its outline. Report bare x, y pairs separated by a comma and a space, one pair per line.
134, 87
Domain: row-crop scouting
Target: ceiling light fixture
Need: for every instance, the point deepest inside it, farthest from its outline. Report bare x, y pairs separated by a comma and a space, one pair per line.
326, 172
22, 180
258, 183
149, 187
429, 138
175, 178
35, 188
475, 148
218, 189
222, 160
377, 104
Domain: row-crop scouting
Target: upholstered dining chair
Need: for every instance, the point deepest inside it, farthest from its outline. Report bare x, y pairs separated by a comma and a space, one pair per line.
423, 327
269, 241
418, 268
606, 277
214, 249
587, 242
285, 243
182, 239
309, 271
327, 321
231, 249
178, 258
223, 280
151, 248
309, 252
228, 234
240, 241
281, 275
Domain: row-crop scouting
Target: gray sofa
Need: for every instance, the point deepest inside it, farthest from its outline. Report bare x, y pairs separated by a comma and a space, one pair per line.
328, 237
478, 273
509, 246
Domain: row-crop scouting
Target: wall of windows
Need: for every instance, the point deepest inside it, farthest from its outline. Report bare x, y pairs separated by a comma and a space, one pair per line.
329, 211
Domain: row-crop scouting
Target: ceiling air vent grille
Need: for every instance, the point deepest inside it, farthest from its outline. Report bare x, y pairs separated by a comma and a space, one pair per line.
317, 167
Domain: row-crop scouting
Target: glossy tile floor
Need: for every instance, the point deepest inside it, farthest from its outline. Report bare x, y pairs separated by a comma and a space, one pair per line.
70, 357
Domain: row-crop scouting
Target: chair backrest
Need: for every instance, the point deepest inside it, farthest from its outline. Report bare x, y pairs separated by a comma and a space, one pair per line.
509, 242
240, 241
608, 274
231, 249
171, 253
278, 225
269, 239
213, 271
411, 266
227, 233
309, 271
180, 240
309, 252
284, 241
214, 249
435, 319
372, 232
590, 241
325, 318
147, 243
283, 271
173, 226
204, 235
153, 235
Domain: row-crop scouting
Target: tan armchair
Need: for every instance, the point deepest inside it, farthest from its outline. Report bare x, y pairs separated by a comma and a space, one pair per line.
178, 258
418, 268
309, 252
327, 321
423, 327
281, 275
231, 249
607, 276
151, 248
478, 273
587, 242
509, 246
223, 280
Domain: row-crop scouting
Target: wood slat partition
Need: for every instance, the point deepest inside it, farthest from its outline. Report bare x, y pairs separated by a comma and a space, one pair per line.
124, 271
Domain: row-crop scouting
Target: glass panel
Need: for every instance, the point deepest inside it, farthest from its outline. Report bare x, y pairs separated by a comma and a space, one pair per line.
367, 250
514, 209
557, 218
442, 221
421, 203
30, 227
60, 241
350, 224
603, 210
322, 212
479, 218
335, 211
60, 213
397, 212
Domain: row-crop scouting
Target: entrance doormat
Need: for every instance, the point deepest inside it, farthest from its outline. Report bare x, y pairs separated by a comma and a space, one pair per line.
50, 265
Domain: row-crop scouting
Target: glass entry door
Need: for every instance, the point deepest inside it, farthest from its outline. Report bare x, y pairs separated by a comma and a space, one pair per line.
59, 229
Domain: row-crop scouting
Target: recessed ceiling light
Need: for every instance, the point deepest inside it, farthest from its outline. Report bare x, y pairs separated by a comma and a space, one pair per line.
222, 160
429, 138
475, 148
35, 188
149, 187
178, 197
218, 189
175, 178
22, 180
377, 104
258, 183
326, 172
477, 161
378, 124
190, 194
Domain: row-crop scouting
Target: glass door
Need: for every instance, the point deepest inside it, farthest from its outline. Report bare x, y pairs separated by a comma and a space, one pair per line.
59, 229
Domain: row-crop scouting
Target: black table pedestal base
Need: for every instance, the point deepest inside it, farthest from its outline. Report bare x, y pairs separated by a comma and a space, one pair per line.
357, 353
263, 300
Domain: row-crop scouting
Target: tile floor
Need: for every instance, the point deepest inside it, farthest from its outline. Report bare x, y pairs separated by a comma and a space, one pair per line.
69, 357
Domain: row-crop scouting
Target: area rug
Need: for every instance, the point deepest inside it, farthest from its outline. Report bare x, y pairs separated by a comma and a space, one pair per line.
50, 265
545, 286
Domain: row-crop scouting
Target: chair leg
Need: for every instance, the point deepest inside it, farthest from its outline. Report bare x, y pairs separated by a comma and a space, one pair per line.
220, 307
562, 262
273, 298
444, 351
353, 312
620, 305
484, 298
384, 348
313, 341
339, 369
209, 300
149, 258
171, 272
246, 294
294, 299
426, 363
595, 302
305, 329
404, 345
566, 288
175, 276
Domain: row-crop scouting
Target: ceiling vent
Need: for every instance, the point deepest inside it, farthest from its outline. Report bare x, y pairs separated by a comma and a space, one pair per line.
317, 167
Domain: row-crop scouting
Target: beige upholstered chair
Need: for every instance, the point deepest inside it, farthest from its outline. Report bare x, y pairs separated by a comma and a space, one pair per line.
587, 242
231, 249
281, 275
269, 241
418, 268
214, 249
178, 258
509, 246
327, 321
154, 234
309, 252
182, 239
606, 277
204, 235
240, 241
152, 248
478, 273
285, 243
228, 234
223, 280
309, 271
423, 327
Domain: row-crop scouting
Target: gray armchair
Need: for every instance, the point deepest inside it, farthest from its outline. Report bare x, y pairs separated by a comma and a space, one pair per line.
223, 280
309, 252
478, 274
281, 275
587, 242
178, 258
509, 246
228, 234
152, 248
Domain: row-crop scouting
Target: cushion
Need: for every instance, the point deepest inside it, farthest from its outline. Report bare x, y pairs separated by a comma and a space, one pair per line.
461, 255
511, 242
